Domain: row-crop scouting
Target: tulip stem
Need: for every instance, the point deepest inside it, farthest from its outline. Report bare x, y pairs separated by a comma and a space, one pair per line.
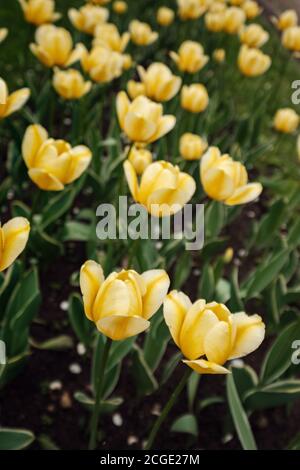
169, 405
99, 392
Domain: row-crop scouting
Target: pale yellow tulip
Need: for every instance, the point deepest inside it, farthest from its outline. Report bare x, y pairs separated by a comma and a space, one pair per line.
140, 158
191, 9
120, 7
10, 103
135, 89
219, 55
291, 38
234, 19
141, 33
194, 98
88, 17
160, 83
192, 146
287, 19
3, 34
70, 84
286, 120
253, 62
39, 12
107, 35
252, 9
214, 21
254, 35
190, 57
165, 16
13, 238
102, 64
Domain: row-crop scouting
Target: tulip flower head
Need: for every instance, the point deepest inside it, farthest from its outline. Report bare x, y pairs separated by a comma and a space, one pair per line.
141, 33
52, 163
165, 16
142, 120
254, 35
102, 64
234, 19
286, 120
251, 9
10, 103
291, 38
191, 9
194, 98
163, 189
190, 57
253, 62
39, 12
120, 7
225, 180
107, 35
192, 146
88, 17
70, 84
160, 84
135, 89
3, 34
208, 335
214, 21
122, 304
140, 158
287, 19
13, 236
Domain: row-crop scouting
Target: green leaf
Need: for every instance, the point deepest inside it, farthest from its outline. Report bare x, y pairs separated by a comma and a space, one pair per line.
207, 282
118, 351
15, 439
214, 219
59, 343
183, 269
273, 395
145, 381
222, 291
192, 387
76, 231
170, 366
82, 327
235, 303
156, 341
56, 207
107, 406
270, 223
186, 424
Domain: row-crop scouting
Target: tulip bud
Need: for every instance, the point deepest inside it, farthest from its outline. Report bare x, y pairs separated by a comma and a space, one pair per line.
140, 158
208, 335
254, 35
228, 255
3, 34
287, 19
107, 35
39, 12
14, 236
141, 33
192, 146
160, 83
70, 84
88, 17
286, 120
219, 55
120, 7
135, 89
127, 61
214, 21
10, 103
122, 304
165, 16
194, 98
291, 38
190, 57
253, 62
102, 64
226, 180
252, 9
234, 20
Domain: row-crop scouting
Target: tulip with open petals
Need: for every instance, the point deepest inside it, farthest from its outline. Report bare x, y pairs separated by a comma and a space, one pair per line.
214, 21
102, 64
9, 103
3, 34
13, 238
160, 83
142, 120
194, 98
165, 16
70, 84
163, 189
141, 33
122, 304
234, 19
190, 57
287, 19
107, 35
52, 163
192, 146
254, 35
39, 12
253, 62
191, 9
208, 335
88, 17
225, 180
286, 120
252, 9
291, 38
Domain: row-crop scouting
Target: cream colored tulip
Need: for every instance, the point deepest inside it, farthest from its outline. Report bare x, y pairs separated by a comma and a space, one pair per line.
127, 61
142, 120
122, 304
194, 98
219, 55
225, 180
217, 7
88, 17
160, 83
135, 89
234, 19
214, 21
291, 38
208, 335
252, 9
254, 35
191, 9
141, 33
163, 189
107, 35
54, 46
10, 103
70, 84
102, 64
287, 19
39, 12
286, 120
3, 34
52, 163
190, 57
140, 158
165, 16
192, 146
13, 238
253, 62
120, 7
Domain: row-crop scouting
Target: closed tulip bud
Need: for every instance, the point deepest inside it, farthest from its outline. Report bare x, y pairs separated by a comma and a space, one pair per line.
287, 19
225, 180
122, 304
141, 33
107, 35
140, 158
214, 21
88, 17
219, 55
142, 120
291, 38
191, 9
194, 98
286, 120
54, 46
52, 163
160, 83
14, 236
252, 9
208, 335
253, 62
39, 12
165, 16
254, 35
228, 255
70, 84
120, 7
163, 189
9, 103
192, 146
190, 57
234, 19
127, 61
135, 89
102, 64
3, 34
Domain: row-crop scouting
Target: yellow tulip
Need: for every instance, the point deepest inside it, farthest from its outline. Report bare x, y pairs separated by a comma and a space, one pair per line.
127, 61
142, 120
107, 35
286, 120
217, 7
190, 57
194, 98
52, 163
120, 7
135, 89
13, 238
192, 146
191, 9
163, 189
122, 304
141, 33
214, 21
208, 335
228, 255
3, 34
252, 9
254, 35
234, 19
102, 64
54, 46
88, 17
160, 83
219, 55
253, 62
225, 180
70, 84
140, 158
165, 16
291, 38
287, 19
9, 103
39, 12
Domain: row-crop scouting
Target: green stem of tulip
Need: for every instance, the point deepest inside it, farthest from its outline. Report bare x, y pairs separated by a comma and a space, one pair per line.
167, 408
99, 393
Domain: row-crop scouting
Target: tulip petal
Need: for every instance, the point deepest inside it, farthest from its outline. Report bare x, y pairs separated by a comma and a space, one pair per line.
113, 298
176, 306
118, 327
217, 343
206, 367
250, 332
157, 284
122, 103
15, 234
45, 180
16, 100
165, 125
77, 54
244, 194
80, 159
34, 137
3, 92
218, 184
91, 279
131, 178
138, 128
